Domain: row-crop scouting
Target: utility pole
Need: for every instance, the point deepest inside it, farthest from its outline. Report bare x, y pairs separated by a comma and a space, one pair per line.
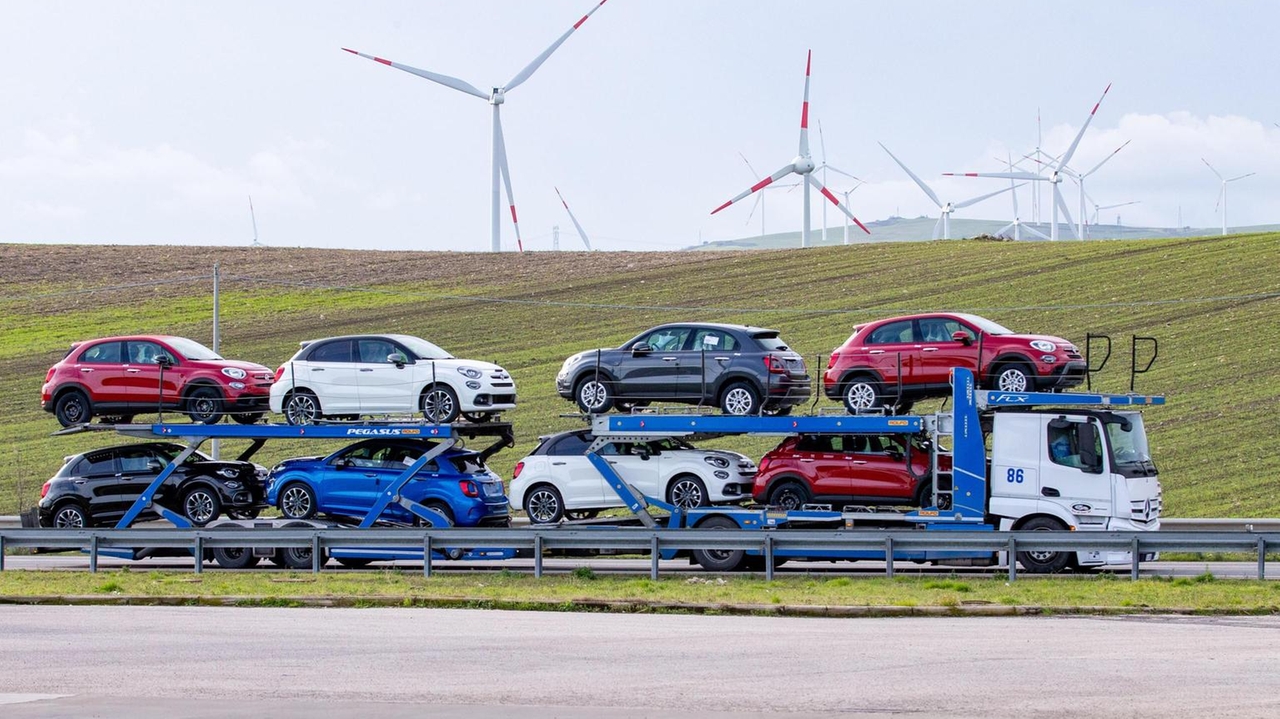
216, 447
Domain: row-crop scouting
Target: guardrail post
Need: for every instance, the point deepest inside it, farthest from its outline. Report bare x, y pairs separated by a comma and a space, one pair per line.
315, 553
1262, 558
654, 556
888, 557
93, 553
768, 557
426, 556
199, 554
1013, 559
1, 552
537, 557
1133, 568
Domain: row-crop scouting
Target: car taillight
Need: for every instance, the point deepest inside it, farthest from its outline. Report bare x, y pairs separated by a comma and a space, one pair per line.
469, 488
48, 375
831, 361
765, 461
279, 373
44, 490
515, 474
775, 365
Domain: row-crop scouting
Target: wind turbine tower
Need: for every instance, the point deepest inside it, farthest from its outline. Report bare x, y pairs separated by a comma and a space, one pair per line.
1222, 194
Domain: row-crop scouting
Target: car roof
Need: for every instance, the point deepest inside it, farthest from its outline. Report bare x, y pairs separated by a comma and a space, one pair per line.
749, 329
133, 445
159, 338
399, 337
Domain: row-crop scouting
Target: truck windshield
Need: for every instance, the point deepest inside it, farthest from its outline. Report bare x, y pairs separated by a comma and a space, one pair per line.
1129, 448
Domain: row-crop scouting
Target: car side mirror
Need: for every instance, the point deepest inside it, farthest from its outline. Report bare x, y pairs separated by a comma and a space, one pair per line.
154, 465
896, 456
962, 337
164, 361
1088, 434
641, 348
342, 463
398, 359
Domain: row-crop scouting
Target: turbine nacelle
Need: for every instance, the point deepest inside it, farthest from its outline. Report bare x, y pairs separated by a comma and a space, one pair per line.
804, 165
498, 97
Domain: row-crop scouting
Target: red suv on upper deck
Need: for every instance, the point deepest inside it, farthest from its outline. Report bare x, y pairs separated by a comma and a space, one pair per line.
919, 351
120, 377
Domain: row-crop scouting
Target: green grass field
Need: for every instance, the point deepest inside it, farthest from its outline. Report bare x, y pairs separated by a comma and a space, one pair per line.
1213, 442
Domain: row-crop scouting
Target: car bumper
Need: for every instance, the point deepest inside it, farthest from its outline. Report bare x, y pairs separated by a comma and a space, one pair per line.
1061, 376
789, 391
734, 491
485, 395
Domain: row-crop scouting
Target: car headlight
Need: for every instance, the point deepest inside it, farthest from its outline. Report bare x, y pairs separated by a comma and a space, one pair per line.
229, 472
1043, 345
470, 372
234, 372
716, 461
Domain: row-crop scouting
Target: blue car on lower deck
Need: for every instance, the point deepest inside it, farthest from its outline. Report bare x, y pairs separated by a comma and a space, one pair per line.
345, 484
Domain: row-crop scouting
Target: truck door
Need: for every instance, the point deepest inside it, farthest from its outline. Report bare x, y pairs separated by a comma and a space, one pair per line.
1073, 466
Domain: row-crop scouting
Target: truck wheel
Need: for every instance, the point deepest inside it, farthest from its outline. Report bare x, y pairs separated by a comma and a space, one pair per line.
234, 557
72, 408
1044, 562
354, 562
204, 405
862, 392
789, 495
719, 560
1013, 377
298, 558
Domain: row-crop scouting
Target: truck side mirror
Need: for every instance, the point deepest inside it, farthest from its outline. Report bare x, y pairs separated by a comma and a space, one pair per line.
1088, 436
962, 337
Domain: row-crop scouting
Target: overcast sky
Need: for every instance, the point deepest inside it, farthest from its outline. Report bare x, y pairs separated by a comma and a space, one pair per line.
153, 122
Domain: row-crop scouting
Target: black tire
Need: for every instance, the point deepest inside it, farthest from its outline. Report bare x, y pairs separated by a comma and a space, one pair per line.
789, 495
70, 516
442, 508
924, 496
581, 514
354, 562
247, 417
301, 407
543, 504
776, 411
439, 404
201, 505
297, 501
1013, 377
243, 513
297, 558
627, 407
719, 560
687, 491
234, 557
117, 419
72, 407
862, 392
593, 396
477, 417
740, 399
205, 405
1044, 562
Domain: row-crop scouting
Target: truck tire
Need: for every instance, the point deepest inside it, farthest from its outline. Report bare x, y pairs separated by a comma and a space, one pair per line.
1044, 562
298, 558
719, 560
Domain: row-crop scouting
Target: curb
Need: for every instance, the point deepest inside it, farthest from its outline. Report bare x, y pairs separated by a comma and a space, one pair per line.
615, 606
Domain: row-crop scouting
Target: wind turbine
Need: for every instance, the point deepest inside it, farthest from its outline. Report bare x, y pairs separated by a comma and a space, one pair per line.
254, 219
1053, 177
1222, 194
802, 165
1097, 209
1017, 225
846, 194
822, 144
759, 203
943, 226
495, 97
581, 232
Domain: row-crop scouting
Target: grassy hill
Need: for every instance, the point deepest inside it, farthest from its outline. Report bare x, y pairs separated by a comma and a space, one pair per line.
1213, 302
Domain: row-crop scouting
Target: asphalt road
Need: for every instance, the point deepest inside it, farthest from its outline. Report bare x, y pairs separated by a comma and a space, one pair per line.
75, 561
153, 662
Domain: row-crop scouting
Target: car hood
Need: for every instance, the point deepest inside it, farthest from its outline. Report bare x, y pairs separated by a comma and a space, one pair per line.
238, 364
1031, 338
453, 362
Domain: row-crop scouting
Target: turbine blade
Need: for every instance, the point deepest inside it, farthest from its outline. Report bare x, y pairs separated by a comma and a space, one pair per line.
1122, 204
804, 109
827, 194
1221, 191
919, 183
1108, 157
1062, 207
1241, 177
759, 186
1035, 232
937, 227
822, 143
838, 171
445, 80
581, 232
754, 206
1066, 156
1000, 175
980, 198
1206, 164
537, 61
1009, 158
749, 167
506, 179
1006, 228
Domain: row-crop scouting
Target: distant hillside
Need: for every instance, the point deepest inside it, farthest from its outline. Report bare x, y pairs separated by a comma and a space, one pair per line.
1213, 302
916, 229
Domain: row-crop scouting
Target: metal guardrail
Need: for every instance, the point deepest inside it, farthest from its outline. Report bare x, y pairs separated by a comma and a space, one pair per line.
641, 540
1234, 524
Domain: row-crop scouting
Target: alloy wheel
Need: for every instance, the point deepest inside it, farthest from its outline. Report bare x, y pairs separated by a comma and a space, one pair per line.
686, 494
860, 395
436, 404
69, 518
296, 502
301, 409
592, 394
199, 506
1012, 379
543, 506
739, 401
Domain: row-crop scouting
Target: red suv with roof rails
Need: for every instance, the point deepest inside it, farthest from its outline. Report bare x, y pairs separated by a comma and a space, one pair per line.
918, 352
120, 377
841, 469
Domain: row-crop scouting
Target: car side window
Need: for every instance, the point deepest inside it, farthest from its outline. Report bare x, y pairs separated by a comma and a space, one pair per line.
138, 461
817, 443
891, 333
713, 341
105, 353
339, 351
937, 329
97, 465
571, 445
375, 351
668, 339
146, 353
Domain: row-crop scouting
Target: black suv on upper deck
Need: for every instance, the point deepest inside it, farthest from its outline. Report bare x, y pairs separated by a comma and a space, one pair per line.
743, 370
96, 488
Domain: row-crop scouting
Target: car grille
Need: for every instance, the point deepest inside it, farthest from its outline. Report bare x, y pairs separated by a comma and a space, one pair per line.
1145, 510
499, 375
503, 384
504, 399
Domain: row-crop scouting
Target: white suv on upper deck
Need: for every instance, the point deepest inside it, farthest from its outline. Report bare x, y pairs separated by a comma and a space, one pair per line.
387, 374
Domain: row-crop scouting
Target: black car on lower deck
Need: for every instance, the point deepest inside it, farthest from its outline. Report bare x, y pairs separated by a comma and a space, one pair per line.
742, 370
97, 487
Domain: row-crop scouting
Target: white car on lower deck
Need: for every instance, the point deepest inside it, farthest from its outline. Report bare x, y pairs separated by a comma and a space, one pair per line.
557, 479
387, 374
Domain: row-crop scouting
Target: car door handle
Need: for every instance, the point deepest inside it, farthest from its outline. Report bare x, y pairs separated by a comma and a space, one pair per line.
859, 461
317, 369
876, 352
668, 359
929, 349
86, 369
1050, 492
723, 359
366, 369
802, 459
557, 464
133, 370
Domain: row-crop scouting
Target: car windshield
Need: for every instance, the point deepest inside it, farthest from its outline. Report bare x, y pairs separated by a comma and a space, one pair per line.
986, 326
1129, 447
424, 349
192, 350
